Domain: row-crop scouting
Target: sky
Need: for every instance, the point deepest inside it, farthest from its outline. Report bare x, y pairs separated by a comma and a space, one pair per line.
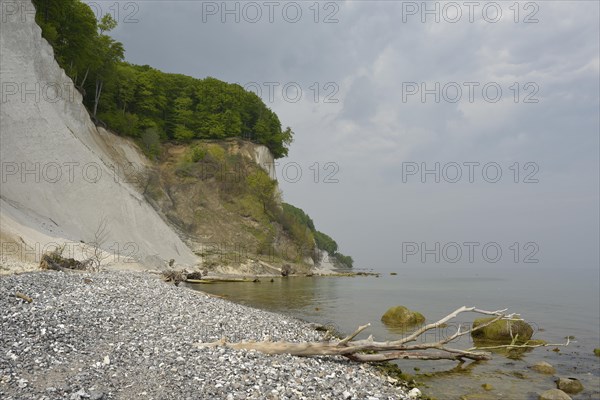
446, 133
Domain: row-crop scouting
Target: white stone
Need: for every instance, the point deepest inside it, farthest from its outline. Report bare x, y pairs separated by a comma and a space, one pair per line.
414, 393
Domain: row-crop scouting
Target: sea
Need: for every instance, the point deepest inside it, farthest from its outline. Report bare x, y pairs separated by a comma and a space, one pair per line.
559, 304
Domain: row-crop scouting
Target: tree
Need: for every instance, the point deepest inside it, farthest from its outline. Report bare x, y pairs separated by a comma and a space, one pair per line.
151, 141
131, 98
183, 134
107, 24
182, 111
347, 261
111, 52
70, 27
100, 236
262, 187
299, 215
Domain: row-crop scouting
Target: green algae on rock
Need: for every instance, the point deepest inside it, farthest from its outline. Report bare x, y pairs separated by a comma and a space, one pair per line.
502, 331
400, 316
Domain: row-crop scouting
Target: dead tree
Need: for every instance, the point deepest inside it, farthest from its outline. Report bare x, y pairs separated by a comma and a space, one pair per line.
369, 350
100, 236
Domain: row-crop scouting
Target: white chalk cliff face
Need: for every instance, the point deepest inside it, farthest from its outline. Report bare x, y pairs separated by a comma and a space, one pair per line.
59, 175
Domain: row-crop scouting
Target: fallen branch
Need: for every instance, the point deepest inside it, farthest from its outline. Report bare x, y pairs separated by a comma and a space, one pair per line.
521, 346
24, 297
368, 350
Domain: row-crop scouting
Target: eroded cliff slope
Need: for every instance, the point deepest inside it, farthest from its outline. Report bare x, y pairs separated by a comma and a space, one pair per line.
61, 176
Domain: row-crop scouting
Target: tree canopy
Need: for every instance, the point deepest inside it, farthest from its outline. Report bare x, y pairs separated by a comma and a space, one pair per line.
293, 217
130, 98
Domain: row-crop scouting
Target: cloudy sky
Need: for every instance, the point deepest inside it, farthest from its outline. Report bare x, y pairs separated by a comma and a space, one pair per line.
379, 91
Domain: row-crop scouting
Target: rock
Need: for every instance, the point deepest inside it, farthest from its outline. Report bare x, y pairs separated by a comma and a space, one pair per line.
543, 368
96, 396
500, 331
597, 352
400, 315
286, 270
414, 393
554, 394
118, 316
81, 394
569, 385
487, 386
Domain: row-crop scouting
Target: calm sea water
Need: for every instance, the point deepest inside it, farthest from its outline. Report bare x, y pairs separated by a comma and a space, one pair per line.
556, 303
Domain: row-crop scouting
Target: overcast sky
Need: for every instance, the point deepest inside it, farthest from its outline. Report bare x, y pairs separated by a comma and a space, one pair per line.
387, 90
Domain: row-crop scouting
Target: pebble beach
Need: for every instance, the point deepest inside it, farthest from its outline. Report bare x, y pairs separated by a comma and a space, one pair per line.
128, 335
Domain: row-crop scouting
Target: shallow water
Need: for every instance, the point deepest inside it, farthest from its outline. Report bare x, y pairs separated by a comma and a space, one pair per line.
556, 303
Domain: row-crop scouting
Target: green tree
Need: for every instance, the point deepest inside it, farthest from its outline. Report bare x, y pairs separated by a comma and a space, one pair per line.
183, 134
262, 187
299, 215
151, 141
347, 261
110, 52
107, 24
131, 98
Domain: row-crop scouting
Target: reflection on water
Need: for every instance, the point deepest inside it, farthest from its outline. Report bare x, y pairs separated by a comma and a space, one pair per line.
346, 303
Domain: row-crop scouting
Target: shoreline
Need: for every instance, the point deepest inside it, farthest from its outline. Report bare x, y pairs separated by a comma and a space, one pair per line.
121, 335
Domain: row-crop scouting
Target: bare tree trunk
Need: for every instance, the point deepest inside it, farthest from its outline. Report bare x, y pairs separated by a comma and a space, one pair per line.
87, 71
97, 96
383, 351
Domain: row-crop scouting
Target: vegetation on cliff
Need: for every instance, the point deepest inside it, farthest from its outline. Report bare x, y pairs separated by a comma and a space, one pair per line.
130, 99
195, 131
321, 240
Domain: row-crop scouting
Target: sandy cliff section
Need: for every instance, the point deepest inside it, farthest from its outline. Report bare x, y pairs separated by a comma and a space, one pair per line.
60, 175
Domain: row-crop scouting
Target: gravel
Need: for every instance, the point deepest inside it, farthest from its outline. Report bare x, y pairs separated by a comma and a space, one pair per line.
125, 335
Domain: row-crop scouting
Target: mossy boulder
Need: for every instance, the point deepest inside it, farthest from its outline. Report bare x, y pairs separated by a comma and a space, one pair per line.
487, 387
399, 316
569, 385
543, 368
500, 331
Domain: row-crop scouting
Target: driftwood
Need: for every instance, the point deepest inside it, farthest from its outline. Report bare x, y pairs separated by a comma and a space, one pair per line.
368, 350
55, 261
23, 296
174, 276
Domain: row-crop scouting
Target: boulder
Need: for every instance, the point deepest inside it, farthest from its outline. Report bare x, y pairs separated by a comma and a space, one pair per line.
402, 316
487, 387
554, 394
194, 275
500, 331
286, 270
569, 385
543, 368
